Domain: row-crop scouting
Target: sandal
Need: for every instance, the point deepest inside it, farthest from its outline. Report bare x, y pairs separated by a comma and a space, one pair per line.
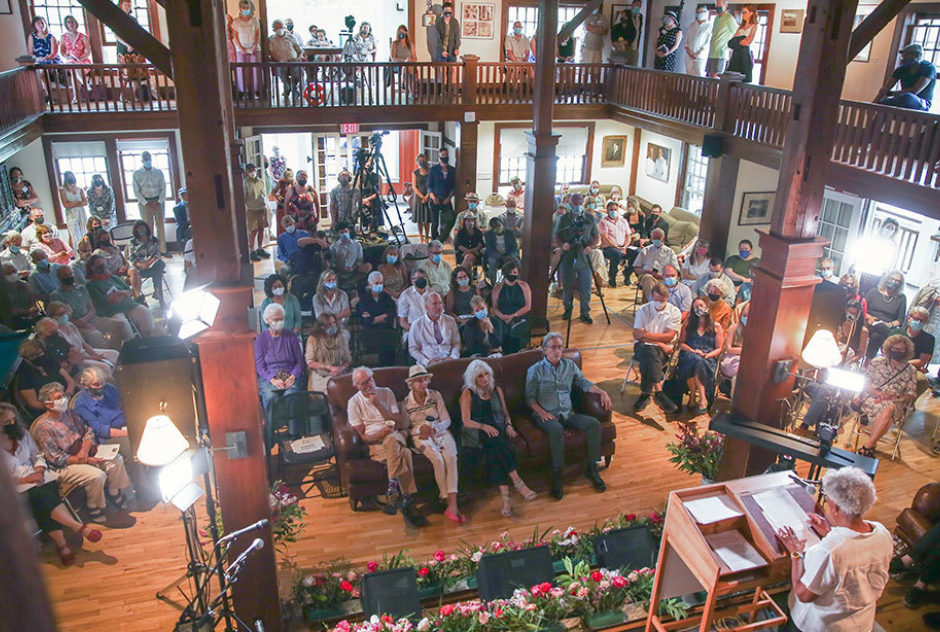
66, 556
869, 452
97, 514
89, 533
523, 489
506, 510
459, 518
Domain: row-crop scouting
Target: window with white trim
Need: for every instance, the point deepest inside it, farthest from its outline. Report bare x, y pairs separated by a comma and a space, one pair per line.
129, 158
696, 174
84, 159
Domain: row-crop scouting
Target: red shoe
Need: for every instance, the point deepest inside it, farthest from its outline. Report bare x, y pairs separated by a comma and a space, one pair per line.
459, 518
65, 555
89, 533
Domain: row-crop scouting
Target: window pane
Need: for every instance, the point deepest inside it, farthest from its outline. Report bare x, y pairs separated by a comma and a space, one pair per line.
54, 11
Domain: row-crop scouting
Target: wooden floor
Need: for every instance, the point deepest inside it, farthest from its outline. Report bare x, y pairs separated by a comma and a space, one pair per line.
114, 581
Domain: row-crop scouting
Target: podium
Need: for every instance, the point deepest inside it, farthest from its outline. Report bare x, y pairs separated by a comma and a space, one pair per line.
720, 539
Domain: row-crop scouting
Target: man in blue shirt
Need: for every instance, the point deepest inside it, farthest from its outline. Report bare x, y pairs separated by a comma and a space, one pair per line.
99, 405
441, 181
917, 77
548, 385
287, 245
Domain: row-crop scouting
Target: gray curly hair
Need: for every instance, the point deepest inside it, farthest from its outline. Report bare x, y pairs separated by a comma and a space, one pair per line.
850, 489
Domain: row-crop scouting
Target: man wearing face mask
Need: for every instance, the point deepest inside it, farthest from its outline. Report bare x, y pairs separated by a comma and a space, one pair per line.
595, 28
698, 39
96, 330
347, 257
512, 219
716, 273
738, 266
917, 77
655, 328
99, 405
654, 219
923, 345
652, 260
501, 245
113, 298
150, 191
288, 243
437, 270
255, 212
679, 294
18, 309
343, 200
575, 233
284, 48
448, 29
15, 255
442, 179
37, 218
411, 301
43, 279
516, 44
68, 444
472, 211
723, 29
625, 35
377, 309
614, 233
516, 194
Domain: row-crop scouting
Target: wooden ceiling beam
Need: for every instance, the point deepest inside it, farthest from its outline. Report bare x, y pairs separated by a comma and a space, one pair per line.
580, 17
131, 32
873, 24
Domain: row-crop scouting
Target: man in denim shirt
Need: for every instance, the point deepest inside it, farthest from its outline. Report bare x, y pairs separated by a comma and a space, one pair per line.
548, 385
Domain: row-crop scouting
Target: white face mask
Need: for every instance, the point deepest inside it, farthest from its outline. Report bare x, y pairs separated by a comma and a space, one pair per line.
278, 291
276, 325
280, 32
60, 405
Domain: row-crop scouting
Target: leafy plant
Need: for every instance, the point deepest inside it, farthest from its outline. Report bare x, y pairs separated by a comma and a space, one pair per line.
695, 453
328, 585
287, 516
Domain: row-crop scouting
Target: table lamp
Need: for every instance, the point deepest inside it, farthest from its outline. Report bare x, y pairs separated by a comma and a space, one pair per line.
822, 351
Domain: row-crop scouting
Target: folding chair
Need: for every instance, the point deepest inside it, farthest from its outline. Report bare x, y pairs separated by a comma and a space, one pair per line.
121, 234
859, 429
669, 369
297, 421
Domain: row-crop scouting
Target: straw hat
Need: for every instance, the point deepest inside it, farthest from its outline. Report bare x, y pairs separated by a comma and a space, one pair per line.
417, 372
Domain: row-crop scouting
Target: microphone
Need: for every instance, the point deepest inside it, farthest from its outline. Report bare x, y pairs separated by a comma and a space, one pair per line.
257, 545
261, 524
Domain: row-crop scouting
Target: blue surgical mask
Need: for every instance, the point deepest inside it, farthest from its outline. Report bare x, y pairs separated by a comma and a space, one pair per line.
14, 249
517, 30
636, 10
437, 258
577, 210
42, 265
744, 320
64, 318
472, 206
344, 235
916, 325
612, 214
657, 242
719, 11
377, 287
670, 281
246, 12
331, 331
330, 285
147, 164
291, 228
463, 282
744, 254
391, 259
481, 314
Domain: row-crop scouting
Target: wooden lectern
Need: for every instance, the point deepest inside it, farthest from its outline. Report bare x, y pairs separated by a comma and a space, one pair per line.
702, 554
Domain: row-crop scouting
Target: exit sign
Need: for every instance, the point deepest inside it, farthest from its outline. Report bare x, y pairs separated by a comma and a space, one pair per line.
349, 128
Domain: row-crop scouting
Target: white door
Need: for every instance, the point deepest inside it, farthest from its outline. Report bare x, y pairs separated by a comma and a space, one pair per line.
430, 145
839, 220
254, 152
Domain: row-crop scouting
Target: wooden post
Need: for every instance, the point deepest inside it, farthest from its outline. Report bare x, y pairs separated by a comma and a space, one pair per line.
718, 206
784, 280
540, 167
467, 167
226, 353
469, 90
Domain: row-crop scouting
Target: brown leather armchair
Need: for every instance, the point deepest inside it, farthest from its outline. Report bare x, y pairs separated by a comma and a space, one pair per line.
362, 477
921, 516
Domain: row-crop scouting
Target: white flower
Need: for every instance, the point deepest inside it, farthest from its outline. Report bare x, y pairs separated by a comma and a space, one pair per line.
424, 625
476, 557
308, 580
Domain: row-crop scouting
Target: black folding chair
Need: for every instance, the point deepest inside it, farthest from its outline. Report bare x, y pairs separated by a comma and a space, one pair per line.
299, 426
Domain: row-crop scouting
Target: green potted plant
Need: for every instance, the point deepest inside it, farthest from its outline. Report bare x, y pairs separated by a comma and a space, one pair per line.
697, 453
322, 592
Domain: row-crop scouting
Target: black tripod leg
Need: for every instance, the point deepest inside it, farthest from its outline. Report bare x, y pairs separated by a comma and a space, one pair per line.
600, 294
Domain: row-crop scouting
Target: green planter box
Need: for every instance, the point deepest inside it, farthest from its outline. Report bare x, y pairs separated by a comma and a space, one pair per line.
472, 582
430, 591
602, 620
551, 627
313, 614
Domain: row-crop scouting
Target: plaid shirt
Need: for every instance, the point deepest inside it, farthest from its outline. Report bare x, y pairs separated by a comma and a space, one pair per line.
56, 436
137, 251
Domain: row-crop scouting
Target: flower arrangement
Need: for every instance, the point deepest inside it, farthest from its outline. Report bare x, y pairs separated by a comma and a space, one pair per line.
695, 453
327, 586
599, 590
287, 516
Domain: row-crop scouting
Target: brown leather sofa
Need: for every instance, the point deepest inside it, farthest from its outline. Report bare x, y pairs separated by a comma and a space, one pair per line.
921, 516
362, 477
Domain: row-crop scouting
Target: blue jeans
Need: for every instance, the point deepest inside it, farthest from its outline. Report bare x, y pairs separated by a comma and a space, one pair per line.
906, 100
269, 394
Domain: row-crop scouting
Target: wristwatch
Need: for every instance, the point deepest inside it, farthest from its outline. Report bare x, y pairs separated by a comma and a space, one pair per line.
796, 555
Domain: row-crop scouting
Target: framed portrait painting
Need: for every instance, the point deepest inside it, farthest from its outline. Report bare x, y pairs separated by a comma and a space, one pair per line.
613, 150
658, 161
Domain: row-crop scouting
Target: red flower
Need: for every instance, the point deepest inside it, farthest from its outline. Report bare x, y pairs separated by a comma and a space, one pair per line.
545, 587
447, 609
597, 576
655, 517
345, 585
387, 619
439, 556
423, 571
535, 590
619, 582
372, 566
630, 517
498, 612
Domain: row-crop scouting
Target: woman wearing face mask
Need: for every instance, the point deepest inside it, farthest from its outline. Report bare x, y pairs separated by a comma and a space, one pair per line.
37, 369
469, 243
56, 250
143, 252
696, 264
86, 247
421, 202
393, 271
364, 44
512, 302
742, 60
330, 299
101, 201
668, 42
887, 306
890, 384
731, 353
114, 260
483, 336
279, 359
301, 202
279, 193
74, 202
700, 344
377, 311
327, 352
462, 291
718, 307
402, 51
852, 335
245, 36
24, 195
275, 290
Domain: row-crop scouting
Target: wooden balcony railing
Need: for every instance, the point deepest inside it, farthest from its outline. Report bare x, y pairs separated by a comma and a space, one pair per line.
759, 114
684, 98
19, 98
510, 83
70, 88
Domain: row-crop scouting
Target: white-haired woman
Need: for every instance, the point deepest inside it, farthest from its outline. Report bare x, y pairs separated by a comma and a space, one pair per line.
837, 582
890, 384
486, 426
429, 421
279, 360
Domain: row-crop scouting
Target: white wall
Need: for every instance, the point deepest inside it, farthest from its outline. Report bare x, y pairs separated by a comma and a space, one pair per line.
12, 38
33, 163
752, 178
652, 189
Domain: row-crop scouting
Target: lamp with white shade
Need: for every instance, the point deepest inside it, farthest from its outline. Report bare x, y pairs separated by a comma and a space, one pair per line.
822, 351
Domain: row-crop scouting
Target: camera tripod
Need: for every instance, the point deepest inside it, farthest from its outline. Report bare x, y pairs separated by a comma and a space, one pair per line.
371, 166
597, 286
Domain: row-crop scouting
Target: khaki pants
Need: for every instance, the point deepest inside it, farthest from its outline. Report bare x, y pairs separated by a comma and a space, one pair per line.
154, 216
144, 321
92, 479
647, 281
444, 461
115, 329
397, 457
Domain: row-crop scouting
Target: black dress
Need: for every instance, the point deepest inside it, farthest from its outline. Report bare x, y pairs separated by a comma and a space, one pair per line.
477, 343
500, 455
667, 38
511, 300
421, 211
742, 60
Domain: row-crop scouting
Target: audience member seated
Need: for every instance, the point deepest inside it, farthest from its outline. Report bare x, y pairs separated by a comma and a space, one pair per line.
716, 273
468, 244
700, 344
115, 263
651, 221
434, 337
99, 405
376, 309
279, 360
512, 218
591, 206
37, 485
375, 416
347, 257
487, 427
288, 244
437, 270
698, 263
501, 245
411, 300
717, 306
86, 246
852, 335
744, 290
42, 280
738, 266
655, 327
890, 385
472, 210
330, 299
37, 369
85, 354
429, 421
457, 301
394, 274
113, 298
37, 218
548, 387
47, 333
652, 260
887, 306
68, 445
849, 283
922, 562
923, 345
482, 335
55, 249
327, 353
98, 331
734, 342
143, 252
837, 582
516, 193
15, 255
615, 237
512, 302
275, 290
18, 308
679, 293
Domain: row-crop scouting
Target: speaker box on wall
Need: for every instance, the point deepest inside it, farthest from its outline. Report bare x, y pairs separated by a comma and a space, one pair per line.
713, 145
498, 575
155, 370
629, 548
393, 592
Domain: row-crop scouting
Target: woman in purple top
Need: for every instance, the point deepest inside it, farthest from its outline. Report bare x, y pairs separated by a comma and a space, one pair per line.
279, 359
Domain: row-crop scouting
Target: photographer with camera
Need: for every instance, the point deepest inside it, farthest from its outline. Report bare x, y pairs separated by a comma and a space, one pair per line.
576, 234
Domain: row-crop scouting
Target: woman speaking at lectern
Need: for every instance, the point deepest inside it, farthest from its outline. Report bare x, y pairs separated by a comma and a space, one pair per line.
837, 581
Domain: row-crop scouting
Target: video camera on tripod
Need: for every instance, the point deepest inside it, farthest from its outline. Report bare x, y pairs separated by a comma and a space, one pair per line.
370, 170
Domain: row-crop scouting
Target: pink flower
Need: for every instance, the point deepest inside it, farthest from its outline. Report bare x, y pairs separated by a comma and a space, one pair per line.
619, 582
484, 618
342, 626
344, 585
597, 576
545, 587
423, 571
447, 609
536, 590
655, 517
371, 567
630, 517
439, 556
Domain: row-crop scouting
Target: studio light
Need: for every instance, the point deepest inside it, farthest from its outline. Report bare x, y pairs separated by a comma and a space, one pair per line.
846, 380
822, 351
195, 310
